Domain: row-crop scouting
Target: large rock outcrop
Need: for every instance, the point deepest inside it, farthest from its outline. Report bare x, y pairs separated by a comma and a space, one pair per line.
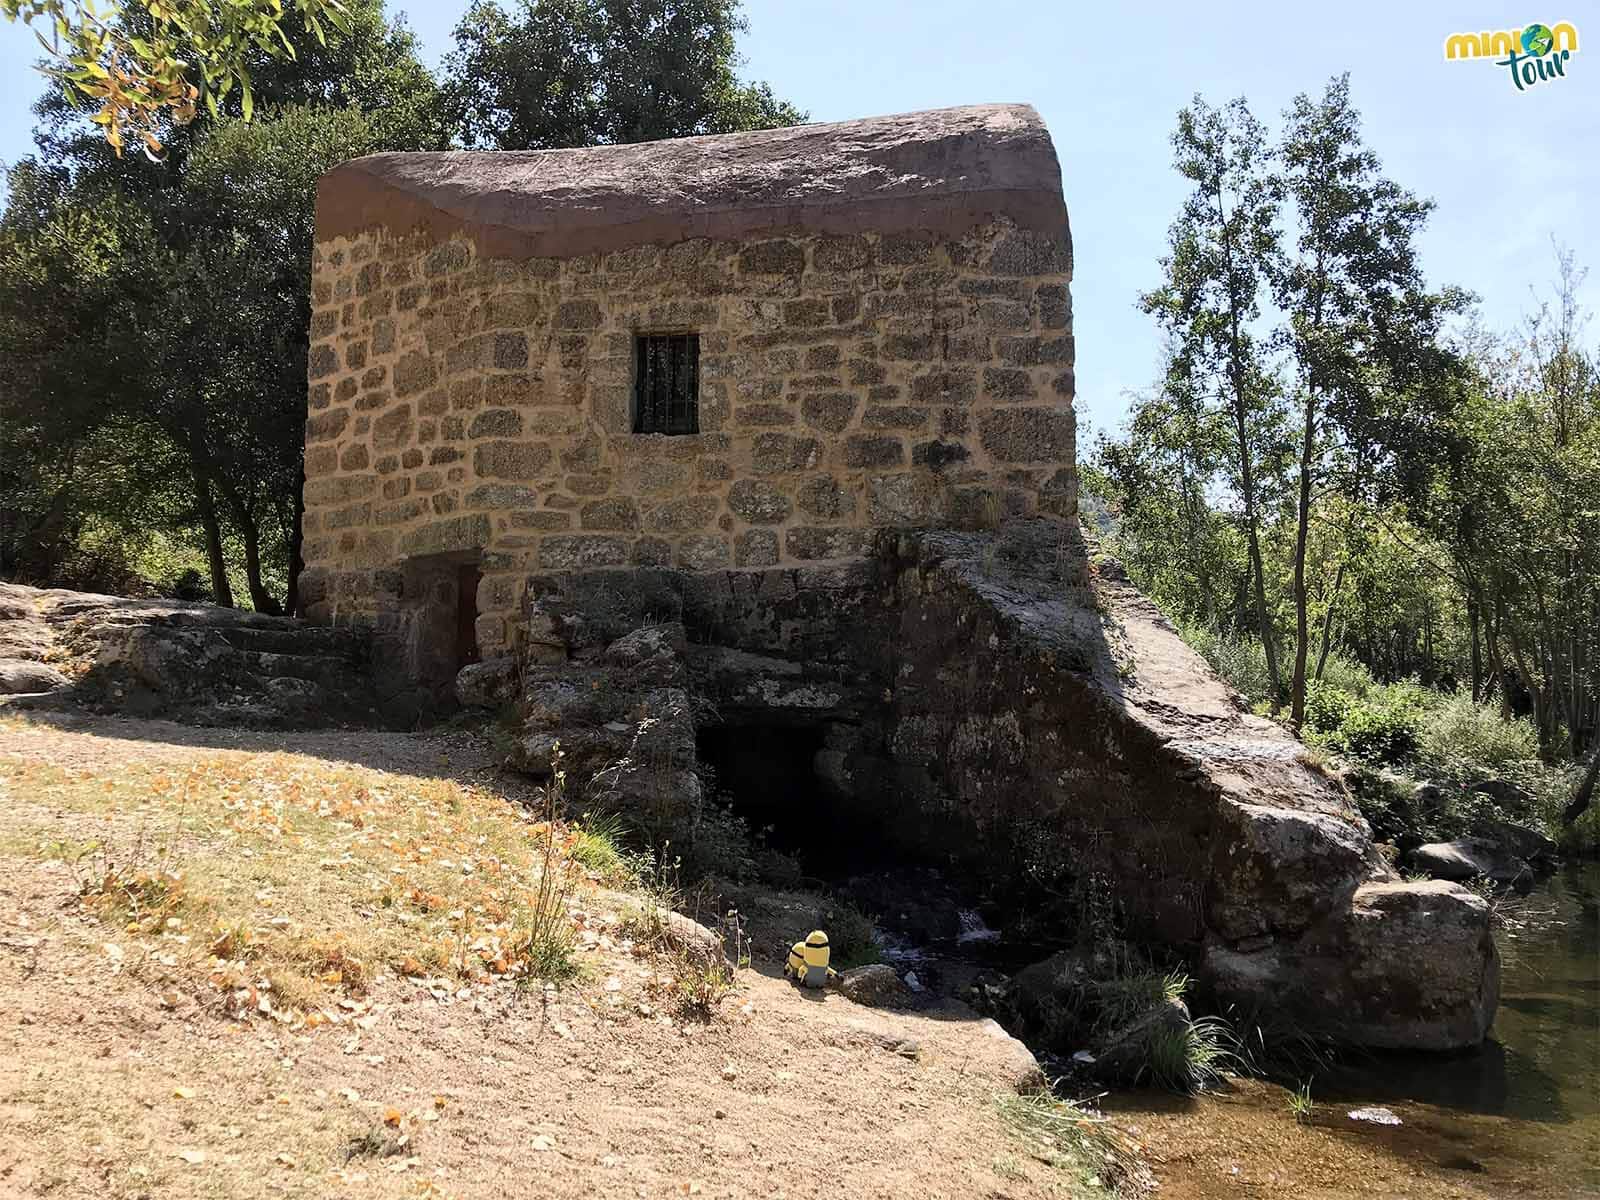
1002, 705
1046, 703
187, 661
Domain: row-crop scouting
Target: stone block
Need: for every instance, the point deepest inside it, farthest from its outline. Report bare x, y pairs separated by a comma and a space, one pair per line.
1022, 435
325, 426
779, 453
582, 551
807, 543
323, 361
825, 499
511, 460
775, 257
911, 498
578, 314
340, 489
894, 417
764, 415
510, 351
496, 423
1007, 384
680, 516
873, 450
703, 552
458, 533
619, 513
415, 372
501, 496
1054, 304
756, 548
759, 503
393, 429
945, 387
830, 412
1032, 351
841, 254
1030, 252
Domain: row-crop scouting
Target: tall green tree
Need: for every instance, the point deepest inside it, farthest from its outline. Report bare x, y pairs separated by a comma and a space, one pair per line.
557, 73
1222, 246
1361, 326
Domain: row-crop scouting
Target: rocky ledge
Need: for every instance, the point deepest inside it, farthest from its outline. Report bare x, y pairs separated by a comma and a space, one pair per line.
189, 662
1004, 705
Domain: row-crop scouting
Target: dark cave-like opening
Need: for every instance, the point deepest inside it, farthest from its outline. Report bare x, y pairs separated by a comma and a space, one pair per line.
768, 775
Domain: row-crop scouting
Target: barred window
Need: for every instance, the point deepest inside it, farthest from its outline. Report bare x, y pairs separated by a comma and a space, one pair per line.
666, 386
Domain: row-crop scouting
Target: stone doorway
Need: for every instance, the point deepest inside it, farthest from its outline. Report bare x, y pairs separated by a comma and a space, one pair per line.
440, 600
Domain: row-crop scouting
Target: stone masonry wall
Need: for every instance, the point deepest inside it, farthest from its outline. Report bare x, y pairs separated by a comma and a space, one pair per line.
848, 384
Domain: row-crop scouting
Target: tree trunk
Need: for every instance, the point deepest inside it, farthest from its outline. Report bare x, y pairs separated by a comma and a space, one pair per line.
1477, 649
261, 600
221, 593
1327, 621
1263, 621
1302, 631
291, 603
1584, 796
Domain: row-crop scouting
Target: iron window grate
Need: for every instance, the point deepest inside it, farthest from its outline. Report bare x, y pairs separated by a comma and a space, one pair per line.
666, 388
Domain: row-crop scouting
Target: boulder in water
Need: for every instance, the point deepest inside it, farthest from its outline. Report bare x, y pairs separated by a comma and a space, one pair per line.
1470, 858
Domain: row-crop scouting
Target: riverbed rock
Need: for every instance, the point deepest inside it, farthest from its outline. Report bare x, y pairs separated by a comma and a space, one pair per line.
1124, 1054
1022, 1069
1470, 858
1409, 966
1521, 841
874, 984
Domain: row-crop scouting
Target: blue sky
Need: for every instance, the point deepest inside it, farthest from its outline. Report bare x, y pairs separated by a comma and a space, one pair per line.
1508, 169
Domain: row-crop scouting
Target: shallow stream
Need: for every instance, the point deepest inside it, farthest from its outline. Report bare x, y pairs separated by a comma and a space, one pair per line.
1518, 1117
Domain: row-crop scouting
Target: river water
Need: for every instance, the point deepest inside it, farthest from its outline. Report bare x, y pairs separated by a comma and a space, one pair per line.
1518, 1117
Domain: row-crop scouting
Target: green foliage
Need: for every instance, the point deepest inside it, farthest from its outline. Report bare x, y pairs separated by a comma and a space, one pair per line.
598, 848
1459, 735
1094, 1156
555, 73
165, 388
1383, 726
1190, 1057
1300, 1106
143, 63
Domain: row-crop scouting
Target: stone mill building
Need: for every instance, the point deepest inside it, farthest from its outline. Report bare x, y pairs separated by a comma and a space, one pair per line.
747, 462
719, 353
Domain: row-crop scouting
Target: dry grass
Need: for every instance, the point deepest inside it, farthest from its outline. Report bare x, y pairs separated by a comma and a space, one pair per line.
286, 886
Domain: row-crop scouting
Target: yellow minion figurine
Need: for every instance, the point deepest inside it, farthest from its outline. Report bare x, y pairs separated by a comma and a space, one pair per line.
808, 961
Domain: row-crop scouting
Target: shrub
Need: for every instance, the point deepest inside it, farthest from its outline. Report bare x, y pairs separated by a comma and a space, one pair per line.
1327, 706
1191, 1057
597, 848
1460, 733
1347, 675
1381, 727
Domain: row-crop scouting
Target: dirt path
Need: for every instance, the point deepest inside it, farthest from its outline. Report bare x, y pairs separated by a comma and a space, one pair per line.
111, 1085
